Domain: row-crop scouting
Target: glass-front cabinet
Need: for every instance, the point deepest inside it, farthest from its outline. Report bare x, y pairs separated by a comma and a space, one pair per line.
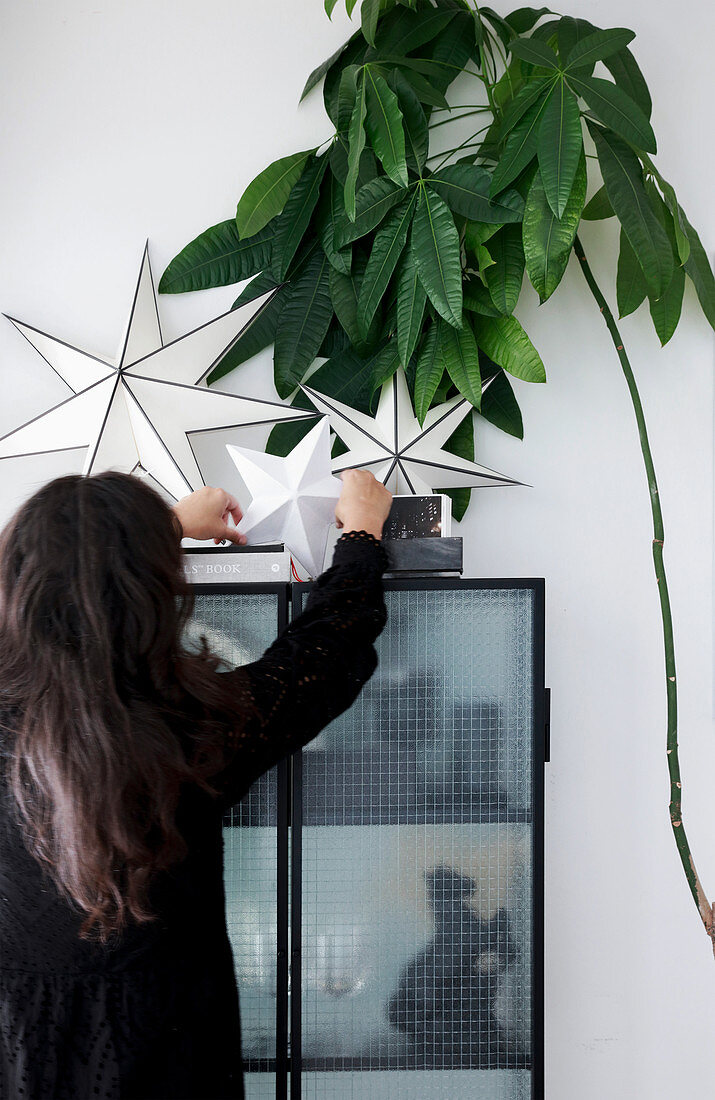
384, 886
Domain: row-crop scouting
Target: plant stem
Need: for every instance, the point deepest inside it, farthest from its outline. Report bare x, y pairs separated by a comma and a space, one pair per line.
447, 153
456, 118
482, 62
461, 106
676, 817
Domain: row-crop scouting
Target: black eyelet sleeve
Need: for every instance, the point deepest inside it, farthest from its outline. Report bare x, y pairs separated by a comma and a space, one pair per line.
315, 668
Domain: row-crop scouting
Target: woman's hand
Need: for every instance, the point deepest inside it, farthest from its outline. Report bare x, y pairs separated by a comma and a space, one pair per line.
204, 515
364, 503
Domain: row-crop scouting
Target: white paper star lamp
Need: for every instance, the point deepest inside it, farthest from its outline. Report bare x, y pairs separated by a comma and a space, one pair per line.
138, 414
293, 498
407, 458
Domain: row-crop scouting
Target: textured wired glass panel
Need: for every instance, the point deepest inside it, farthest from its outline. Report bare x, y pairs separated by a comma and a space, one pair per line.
417, 838
239, 626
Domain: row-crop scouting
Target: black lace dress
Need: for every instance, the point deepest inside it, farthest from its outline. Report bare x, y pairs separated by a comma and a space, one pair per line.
156, 1015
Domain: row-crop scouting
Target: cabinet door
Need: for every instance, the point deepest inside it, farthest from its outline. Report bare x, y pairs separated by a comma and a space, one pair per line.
240, 622
420, 845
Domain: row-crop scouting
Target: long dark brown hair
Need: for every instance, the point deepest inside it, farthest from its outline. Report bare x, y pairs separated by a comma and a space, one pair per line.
112, 712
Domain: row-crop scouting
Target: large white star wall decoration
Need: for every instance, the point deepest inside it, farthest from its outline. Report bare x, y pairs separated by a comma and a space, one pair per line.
407, 458
138, 414
293, 498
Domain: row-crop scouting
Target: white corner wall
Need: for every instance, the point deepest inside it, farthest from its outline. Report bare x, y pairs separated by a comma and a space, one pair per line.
147, 118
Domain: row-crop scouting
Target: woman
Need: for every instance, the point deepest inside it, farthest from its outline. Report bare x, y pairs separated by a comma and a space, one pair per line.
119, 752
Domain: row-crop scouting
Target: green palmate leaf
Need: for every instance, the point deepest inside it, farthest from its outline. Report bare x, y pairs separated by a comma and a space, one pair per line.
435, 242
426, 92
523, 19
631, 287
597, 46
548, 240
367, 165
303, 323
336, 339
424, 65
623, 67
411, 30
331, 210
505, 276
329, 5
414, 122
217, 257
387, 248
484, 259
266, 195
411, 301
623, 177
383, 122
260, 285
345, 100
465, 187
461, 443
698, 268
616, 109
351, 378
570, 32
502, 28
507, 345
429, 370
535, 52
452, 49
296, 215
671, 201
548, 31
346, 376
665, 311
356, 144
318, 73
559, 147
477, 298
520, 146
521, 103
288, 434
354, 54
461, 358
344, 293
369, 13
344, 296
500, 407
384, 365
372, 203
478, 233
598, 207
256, 336
349, 7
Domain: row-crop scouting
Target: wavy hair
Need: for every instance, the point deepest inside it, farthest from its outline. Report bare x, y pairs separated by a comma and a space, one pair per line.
111, 713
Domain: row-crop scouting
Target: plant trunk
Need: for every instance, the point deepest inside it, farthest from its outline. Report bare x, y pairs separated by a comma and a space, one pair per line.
676, 818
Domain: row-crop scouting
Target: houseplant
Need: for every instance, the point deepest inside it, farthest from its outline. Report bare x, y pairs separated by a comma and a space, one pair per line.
383, 256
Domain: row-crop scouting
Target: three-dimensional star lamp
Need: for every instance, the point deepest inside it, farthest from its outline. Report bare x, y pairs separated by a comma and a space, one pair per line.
139, 414
406, 457
293, 498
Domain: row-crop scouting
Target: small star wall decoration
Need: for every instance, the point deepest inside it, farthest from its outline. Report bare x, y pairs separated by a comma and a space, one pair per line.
406, 457
139, 414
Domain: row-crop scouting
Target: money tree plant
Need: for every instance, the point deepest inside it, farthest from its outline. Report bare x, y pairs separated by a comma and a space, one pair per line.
383, 254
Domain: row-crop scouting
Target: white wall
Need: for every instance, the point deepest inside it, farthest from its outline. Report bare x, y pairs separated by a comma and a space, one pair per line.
139, 118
